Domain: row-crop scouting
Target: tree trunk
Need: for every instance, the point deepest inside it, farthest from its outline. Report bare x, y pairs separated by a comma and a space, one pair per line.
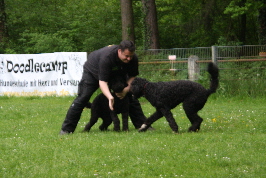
3, 29
243, 23
262, 24
151, 39
243, 29
127, 20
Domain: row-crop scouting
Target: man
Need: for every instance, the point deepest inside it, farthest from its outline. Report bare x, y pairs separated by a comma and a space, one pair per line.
101, 65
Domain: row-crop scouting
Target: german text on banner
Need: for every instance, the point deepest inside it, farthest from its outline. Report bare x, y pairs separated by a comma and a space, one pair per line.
47, 74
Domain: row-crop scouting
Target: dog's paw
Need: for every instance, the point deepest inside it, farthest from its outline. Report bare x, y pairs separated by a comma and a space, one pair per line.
103, 128
192, 129
143, 128
117, 130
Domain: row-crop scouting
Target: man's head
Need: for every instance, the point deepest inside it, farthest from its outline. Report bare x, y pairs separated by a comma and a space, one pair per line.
126, 51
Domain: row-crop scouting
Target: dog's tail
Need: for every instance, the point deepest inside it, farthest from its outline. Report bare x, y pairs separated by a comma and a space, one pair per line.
214, 72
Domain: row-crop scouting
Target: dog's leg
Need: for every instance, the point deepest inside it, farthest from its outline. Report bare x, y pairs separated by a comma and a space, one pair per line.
191, 109
195, 127
125, 121
92, 121
94, 118
87, 127
154, 117
116, 121
194, 119
107, 120
170, 119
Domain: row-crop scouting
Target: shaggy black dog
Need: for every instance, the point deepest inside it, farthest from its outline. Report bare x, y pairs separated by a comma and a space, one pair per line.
165, 96
100, 107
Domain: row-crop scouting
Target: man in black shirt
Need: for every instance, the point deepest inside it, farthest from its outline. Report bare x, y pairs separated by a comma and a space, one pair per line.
101, 65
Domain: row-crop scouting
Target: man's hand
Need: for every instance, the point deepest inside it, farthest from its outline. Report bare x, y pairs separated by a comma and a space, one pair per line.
111, 103
120, 95
104, 87
125, 90
123, 93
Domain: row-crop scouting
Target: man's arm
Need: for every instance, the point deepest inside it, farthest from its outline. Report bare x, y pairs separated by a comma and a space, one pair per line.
126, 89
105, 89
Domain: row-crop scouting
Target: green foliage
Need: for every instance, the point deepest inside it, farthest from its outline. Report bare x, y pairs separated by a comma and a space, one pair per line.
62, 25
222, 41
86, 25
245, 80
240, 7
37, 43
231, 142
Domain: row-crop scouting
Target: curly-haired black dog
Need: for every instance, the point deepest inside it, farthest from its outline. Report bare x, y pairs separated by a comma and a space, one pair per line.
165, 96
100, 107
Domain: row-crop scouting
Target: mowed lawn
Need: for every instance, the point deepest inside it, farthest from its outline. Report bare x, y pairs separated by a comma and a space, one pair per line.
231, 142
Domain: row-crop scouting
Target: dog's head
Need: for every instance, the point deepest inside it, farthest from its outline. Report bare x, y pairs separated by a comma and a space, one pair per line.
117, 83
137, 87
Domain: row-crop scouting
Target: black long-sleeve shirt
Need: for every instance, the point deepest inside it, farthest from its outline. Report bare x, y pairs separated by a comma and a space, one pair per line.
104, 63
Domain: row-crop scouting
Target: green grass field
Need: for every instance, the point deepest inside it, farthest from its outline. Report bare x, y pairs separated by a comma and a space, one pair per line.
231, 142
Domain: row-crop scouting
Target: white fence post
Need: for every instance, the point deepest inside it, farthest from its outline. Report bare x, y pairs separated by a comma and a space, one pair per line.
193, 68
214, 54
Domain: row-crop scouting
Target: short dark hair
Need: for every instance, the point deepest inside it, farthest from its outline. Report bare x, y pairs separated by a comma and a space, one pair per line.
126, 44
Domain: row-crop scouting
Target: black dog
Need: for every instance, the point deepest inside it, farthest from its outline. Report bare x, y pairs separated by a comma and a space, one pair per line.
165, 96
100, 107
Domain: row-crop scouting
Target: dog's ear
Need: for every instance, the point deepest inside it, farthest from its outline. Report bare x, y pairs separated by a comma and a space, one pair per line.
136, 88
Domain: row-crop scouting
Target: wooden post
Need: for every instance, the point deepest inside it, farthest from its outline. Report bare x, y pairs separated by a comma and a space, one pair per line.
193, 68
214, 54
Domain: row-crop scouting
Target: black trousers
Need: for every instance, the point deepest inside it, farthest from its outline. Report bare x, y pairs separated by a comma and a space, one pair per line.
87, 86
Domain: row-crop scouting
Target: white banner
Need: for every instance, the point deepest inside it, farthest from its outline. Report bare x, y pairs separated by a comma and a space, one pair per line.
41, 74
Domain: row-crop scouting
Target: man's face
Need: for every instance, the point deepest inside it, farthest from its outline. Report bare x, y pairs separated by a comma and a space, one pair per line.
125, 56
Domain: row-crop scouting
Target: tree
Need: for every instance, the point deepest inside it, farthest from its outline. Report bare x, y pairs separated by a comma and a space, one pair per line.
151, 38
238, 10
87, 25
128, 32
62, 25
262, 23
3, 28
243, 21
251, 16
